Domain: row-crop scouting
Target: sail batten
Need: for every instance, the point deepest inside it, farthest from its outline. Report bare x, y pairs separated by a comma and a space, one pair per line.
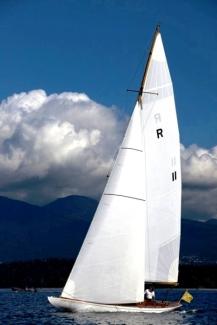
124, 148
126, 196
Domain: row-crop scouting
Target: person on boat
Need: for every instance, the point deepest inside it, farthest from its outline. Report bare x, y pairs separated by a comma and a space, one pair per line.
149, 294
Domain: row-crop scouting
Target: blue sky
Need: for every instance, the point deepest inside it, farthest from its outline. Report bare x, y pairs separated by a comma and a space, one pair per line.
100, 47
54, 141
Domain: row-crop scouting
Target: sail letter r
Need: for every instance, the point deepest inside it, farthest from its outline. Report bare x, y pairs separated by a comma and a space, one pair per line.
157, 117
159, 133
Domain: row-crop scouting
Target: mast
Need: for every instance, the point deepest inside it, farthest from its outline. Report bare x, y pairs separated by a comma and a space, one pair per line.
157, 31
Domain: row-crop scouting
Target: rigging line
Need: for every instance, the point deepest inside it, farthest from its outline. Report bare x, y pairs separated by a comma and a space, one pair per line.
139, 64
113, 163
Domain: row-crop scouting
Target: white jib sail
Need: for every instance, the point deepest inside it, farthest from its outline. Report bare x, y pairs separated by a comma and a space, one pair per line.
163, 174
110, 266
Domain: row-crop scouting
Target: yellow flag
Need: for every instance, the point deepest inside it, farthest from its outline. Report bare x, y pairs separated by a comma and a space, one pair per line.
187, 297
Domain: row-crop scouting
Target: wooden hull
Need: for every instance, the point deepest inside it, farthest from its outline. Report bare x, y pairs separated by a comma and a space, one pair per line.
73, 305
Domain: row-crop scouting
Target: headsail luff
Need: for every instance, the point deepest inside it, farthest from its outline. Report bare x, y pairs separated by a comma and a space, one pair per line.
163, 174
110, 265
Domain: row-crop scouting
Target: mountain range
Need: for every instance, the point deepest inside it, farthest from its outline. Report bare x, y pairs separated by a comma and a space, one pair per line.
57, 230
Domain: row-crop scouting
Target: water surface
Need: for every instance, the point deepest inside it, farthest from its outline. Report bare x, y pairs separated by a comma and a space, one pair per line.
26, 308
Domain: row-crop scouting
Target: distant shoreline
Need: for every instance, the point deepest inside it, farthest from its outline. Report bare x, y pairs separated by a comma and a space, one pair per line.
53, 273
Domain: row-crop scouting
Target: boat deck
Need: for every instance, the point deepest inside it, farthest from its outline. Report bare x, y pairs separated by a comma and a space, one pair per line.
153, 304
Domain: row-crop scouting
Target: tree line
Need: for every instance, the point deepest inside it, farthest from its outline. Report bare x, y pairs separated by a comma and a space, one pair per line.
53, 273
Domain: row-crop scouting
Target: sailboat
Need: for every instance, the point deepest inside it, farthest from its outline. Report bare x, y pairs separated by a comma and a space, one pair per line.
134, 237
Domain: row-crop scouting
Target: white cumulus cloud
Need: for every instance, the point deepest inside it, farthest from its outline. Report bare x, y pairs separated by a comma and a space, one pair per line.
199, 174
55, 145
62, 144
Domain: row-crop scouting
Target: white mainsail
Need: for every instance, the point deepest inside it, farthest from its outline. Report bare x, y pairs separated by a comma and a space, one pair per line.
163, 174
135, 233
110, 265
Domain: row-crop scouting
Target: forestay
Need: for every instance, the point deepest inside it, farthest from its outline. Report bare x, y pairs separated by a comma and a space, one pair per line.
110, 265
163, 175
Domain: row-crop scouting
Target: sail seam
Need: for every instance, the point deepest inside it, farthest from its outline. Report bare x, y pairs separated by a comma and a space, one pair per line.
126, 196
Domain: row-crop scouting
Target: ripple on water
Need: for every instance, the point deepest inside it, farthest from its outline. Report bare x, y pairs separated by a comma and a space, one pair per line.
33, 308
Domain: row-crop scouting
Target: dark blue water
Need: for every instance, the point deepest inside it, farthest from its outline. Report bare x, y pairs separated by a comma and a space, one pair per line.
33, 308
